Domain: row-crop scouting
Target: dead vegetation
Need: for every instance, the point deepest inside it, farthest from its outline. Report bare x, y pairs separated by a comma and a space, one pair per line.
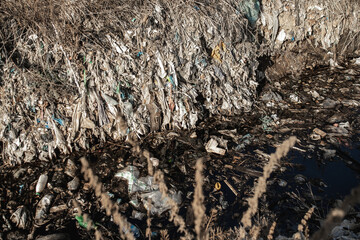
199, 209
246, 229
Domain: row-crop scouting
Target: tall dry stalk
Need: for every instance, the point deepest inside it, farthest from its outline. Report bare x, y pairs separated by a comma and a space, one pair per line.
260, 187
87, 220
255, 232
174, 216
146, 154
304, 225
198, 203
111, 208
148, 221
270, 235
336, 215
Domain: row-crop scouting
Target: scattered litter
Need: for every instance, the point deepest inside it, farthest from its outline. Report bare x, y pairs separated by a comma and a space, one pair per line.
321, 133
347, 230
212, 147
300, 179
224, 204
43, 207
251, 10
329, 103
329, 153
136, 184
158, 204
21, 217
231, 188
217, 186
282, 183
55, 236
82, 223
138, 215
135, 231
59, 208
147, 189
73, 184
41, 183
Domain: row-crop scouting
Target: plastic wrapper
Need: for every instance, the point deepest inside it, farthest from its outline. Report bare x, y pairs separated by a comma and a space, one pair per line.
73, 184
146, 189
158, 204
212, 147
21, 217
43, 207
136, 184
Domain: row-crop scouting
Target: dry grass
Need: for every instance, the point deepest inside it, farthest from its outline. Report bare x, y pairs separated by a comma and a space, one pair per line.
87, 220
148, 221
260, 187
304, 225
198, 203
110, 208
174, 216
337, 215
270, 235
215, 233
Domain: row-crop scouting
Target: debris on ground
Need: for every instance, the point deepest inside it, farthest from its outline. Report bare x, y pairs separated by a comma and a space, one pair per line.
226, 82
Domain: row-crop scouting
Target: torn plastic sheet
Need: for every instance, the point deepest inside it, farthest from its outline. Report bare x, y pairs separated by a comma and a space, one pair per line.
158, 204
251, 10
146, 189
136, 184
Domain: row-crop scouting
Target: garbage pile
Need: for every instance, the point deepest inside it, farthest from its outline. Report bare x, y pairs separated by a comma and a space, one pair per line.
189, 79
307, 34
131, 69
331, 25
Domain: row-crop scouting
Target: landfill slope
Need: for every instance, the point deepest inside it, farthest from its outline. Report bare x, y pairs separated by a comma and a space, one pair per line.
308, 34
158, 118
94, 71
72, 77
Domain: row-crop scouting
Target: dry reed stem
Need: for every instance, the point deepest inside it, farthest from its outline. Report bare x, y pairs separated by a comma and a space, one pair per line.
197, 204
146, 154
260, 187
270, 236
255, 232
164, 235
304, 224
174, 216
87, 220
336, 215
148, 221
213, 213
98, 235
110, 207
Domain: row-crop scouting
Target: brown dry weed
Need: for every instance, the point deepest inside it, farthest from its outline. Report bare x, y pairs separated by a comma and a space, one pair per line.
198, 203
111, 208
260, 187
87, 220
174, 216
337, 215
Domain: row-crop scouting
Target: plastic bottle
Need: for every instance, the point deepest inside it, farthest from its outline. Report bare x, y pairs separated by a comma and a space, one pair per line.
41, 183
